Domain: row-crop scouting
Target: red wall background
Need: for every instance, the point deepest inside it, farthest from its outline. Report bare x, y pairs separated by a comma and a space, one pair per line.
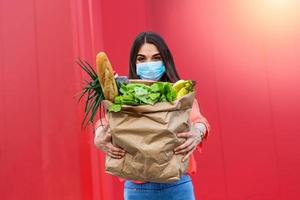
244, 56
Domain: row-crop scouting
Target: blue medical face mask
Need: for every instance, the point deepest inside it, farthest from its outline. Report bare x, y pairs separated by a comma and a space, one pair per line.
150, 70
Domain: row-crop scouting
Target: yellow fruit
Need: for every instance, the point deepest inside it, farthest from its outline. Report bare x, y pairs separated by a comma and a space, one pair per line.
179, 84
189, 85
183, 91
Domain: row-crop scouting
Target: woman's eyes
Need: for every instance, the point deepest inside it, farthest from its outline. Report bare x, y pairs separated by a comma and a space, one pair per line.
157, 58
143, 59
140, 59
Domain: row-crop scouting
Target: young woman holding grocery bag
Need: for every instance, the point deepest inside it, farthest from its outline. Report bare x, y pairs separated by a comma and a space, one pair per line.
151, 59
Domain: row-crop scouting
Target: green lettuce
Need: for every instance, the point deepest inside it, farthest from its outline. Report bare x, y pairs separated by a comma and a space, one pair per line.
135, 94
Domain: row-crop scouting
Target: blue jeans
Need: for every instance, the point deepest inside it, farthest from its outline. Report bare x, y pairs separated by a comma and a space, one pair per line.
180, 190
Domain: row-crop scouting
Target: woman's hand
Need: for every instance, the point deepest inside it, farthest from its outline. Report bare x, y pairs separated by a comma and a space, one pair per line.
103, 141
193, 138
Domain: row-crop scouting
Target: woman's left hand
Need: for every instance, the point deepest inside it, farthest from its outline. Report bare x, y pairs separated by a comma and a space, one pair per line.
193, 138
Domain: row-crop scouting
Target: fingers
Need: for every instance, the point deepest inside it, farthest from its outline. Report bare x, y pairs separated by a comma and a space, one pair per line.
113, 155
103, 142
115, 152
185, 134
115, 149
186, 146
188, 154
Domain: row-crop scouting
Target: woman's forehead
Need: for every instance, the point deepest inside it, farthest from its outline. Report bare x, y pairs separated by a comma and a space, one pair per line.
148, 49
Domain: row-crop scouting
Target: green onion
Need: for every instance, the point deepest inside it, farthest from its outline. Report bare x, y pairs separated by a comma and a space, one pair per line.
93, 92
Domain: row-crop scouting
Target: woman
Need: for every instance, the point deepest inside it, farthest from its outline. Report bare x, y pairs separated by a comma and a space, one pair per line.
151, 59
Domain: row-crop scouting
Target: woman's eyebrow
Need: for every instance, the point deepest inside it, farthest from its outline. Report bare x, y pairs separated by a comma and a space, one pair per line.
158, 54
140, 55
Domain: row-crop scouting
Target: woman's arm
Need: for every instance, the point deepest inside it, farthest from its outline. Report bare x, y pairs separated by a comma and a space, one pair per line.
196, 136
198, 120
103, 141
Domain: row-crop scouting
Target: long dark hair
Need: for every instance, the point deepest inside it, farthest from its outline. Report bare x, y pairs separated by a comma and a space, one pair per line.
171, 74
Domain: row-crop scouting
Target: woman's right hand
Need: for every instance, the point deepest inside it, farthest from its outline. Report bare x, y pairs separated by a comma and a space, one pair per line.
103, 141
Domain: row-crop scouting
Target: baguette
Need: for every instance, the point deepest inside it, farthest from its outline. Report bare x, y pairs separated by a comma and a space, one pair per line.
106, 77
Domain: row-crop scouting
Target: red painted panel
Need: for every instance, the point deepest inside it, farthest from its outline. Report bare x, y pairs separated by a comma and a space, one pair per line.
39, 129
20, 132
60, 141
283, 69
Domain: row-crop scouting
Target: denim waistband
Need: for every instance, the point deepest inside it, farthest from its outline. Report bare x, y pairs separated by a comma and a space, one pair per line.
156, 186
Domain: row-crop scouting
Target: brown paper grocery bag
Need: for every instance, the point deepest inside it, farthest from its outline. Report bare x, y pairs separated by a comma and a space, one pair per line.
148, 134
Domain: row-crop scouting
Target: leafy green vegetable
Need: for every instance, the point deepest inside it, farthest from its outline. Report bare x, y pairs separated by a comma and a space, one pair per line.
115, 108
93, 91
141, 94
170, 92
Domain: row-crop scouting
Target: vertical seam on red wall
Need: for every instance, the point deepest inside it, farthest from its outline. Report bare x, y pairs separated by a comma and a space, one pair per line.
92, 5
267, 76
38, 89
2, 83
91, 20
78, 76
96, 177
217, 99
147, 15
79, 50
